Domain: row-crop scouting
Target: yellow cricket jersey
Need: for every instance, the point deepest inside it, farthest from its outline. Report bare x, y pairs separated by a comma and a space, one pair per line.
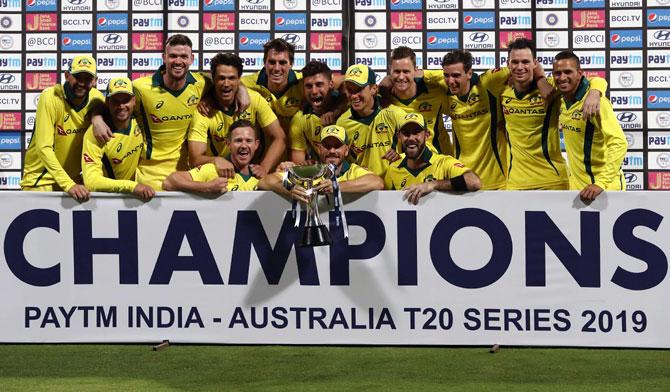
438, 167
431, 103
110, 167
207, 172
351, 171
165, 115
372, 136
285, 103
54, 154
305, 130
478, 141
596, 148
213, 130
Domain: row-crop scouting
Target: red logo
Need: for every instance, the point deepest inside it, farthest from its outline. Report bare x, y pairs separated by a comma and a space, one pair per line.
60, 130
31, 3
616, 38
244, 40
11, 120
102, 21
87, 158
653, 17
209, 2
155, 118
67, 41
468, 19
432, 39
653, 99
279, 21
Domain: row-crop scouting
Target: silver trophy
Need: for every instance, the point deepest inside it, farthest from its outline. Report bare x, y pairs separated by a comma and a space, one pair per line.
314, 233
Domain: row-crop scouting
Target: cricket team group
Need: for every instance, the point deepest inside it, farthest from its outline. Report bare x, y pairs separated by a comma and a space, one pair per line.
220, 131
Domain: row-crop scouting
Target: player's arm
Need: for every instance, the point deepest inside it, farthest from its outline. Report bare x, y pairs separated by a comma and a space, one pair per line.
466, 182
615, 143
495, 80
197, 147
182, 181
43, 139
365, 183
298, 143
275, 182
598, 89
92, 168
275, 133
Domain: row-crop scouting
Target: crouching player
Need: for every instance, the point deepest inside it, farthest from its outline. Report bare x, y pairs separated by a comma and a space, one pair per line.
420, 171
243, 141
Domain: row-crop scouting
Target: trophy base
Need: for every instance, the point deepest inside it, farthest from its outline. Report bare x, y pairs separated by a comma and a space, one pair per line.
315, 236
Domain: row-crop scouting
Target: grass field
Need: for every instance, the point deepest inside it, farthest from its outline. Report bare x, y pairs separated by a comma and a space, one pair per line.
280, 368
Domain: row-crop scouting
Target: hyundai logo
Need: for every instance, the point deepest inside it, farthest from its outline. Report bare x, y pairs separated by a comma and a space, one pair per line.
254, 1
479, 37
663, 35
112, 38
626, 117
76, 2
7, 78
291, 38
630, 177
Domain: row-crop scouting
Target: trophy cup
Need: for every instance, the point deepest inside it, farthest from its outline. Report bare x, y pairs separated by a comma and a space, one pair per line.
314, 233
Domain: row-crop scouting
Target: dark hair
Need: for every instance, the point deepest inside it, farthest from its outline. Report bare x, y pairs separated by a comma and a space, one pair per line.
315, 67
178, 39
403, 52
279, 45
242, 123
568, 54
521, 43
230, 59
458, 56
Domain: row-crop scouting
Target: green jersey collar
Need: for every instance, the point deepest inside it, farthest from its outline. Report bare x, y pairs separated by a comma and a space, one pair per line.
420, 89
263, 81
69, 97
473, 81
521, 94
579, 94
157, 81
425, 157
367, 120
345, 167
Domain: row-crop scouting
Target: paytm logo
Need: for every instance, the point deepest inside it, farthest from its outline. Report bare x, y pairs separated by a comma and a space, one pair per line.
442, 40
659, 17
399, 5
479, 20
658, 99
658, 59
41, 5
625, 38
112, 22
326, 21
253, 41
588, 3
290, 21
79, 42
218, 5
625, 59
516, 20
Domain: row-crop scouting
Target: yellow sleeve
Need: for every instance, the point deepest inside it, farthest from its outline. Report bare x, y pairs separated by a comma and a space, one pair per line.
204, 173
297, 136
249, 81
398, 116
388, 181
197, 131
451, 167
264, 114
435, 78
599, 84
615, 143
495, 80
91, 167
43, 137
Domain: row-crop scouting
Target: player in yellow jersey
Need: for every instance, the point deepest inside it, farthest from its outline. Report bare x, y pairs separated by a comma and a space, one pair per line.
208, 135
420, 171
333, 149
306, 125
371, 129
243, 141
535, 160
111, 167
596, 147
53, 158
410, 92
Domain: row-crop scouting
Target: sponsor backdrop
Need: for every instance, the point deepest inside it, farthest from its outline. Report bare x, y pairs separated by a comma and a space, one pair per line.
524, 270
626, 41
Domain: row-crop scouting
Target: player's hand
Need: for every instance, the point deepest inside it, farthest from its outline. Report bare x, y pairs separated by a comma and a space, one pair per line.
391, 155
284, 166
589, 193
414, 192
327, 118
205, 106
324, 188
258, 170
144, 192
101, 130
218, 185
79, 192
591, 107
242, 99
224, 167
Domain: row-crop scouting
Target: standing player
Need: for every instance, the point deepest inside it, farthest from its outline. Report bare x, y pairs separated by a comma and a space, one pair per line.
596, 147
208, 135
419, 171
111, 167
410, 92
53, 159
306, 125
535, 160
243, 141
371, 129
333, 149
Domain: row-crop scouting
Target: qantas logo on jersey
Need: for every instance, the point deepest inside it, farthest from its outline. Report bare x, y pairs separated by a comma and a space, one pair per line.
87, 159
137, 148
158, 120
69, 131
470, 115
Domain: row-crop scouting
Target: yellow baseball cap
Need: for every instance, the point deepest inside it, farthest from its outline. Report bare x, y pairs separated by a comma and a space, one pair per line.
335, 131
83, 63
412, 118
360, 75
120, 86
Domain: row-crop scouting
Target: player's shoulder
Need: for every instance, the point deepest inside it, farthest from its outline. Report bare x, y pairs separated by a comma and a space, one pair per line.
344, 117
395, 165
199, 77
143, 82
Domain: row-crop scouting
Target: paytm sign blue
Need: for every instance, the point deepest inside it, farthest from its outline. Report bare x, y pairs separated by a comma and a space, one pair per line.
442, 40
658, 99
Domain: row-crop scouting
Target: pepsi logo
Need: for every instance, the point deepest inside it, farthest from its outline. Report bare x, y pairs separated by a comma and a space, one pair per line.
209, 2
616, 38
102, 21
468, 19
652, 17
432, 39
67, 41
653, 99
395, 2
244, 40
280, 21
31, 3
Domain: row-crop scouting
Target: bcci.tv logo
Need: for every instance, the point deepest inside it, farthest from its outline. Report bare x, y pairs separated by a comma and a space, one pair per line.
479, 20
